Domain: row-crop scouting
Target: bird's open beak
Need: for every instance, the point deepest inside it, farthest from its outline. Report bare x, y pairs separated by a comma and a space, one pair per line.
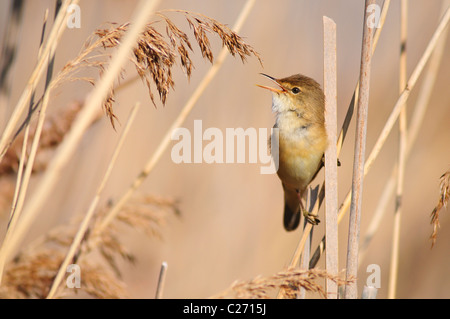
270, 88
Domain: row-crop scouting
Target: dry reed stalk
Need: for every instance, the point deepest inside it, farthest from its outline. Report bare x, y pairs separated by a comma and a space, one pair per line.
359, 156
443, 201
403, 142
355, 97
20, 169
331, 194
23, 183
84, 119
439, 31
290, 281
369, 292
85, 223
153, 160
306, 236
12, 159
47, 51
304, 263
307, 230
161, 281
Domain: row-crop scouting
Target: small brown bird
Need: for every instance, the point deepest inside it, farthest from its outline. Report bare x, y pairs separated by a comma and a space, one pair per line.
299, 105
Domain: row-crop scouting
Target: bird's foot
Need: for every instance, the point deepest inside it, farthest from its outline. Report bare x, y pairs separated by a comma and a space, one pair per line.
311, 218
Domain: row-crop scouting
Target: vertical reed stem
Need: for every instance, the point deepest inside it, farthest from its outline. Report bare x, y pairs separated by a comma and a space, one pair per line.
331, 193
161, 281
358, 164
393, 272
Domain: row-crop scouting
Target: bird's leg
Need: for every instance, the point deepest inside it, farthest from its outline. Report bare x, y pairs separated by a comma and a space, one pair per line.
309, 217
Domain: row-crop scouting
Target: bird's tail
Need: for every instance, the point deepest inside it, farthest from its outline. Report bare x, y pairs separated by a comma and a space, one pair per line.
291, 209
291, 218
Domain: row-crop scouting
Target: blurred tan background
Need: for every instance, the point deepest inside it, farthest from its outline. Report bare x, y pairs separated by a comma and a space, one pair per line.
231, 223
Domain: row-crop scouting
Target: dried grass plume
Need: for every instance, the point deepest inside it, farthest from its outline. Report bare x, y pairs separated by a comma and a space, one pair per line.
155, 55
442, 202
290, 281
31, 273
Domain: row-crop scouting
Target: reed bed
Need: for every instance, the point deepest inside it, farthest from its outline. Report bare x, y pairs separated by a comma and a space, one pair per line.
38, 142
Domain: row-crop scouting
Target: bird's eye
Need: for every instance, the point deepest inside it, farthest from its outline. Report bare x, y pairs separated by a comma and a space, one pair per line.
295, 90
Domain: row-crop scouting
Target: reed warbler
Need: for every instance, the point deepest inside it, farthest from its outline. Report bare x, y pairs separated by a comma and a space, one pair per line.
298, 104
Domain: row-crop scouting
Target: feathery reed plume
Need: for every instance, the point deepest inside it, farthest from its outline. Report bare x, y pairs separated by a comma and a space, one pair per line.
31, 274
147, 213
230, 39
29, 277
100, 284
443, 201
155, 55
91, 57
290, 280
144, 212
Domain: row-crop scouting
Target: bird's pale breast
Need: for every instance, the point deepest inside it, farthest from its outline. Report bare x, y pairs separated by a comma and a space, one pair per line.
300, 154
